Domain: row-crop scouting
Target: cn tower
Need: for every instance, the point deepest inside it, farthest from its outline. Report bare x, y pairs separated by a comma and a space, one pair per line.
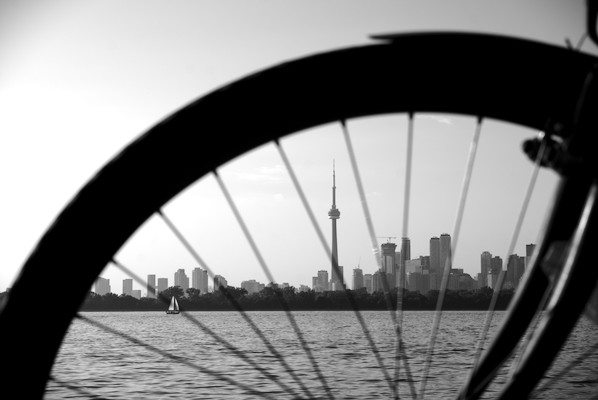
334, 214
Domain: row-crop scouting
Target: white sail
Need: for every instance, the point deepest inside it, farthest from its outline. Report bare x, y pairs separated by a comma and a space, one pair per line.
176, 304
173, 305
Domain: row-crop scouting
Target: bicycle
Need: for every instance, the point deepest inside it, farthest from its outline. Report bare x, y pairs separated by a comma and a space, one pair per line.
95, 224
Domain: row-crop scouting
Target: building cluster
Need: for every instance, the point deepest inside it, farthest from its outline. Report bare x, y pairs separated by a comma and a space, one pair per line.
199, 281
425, 273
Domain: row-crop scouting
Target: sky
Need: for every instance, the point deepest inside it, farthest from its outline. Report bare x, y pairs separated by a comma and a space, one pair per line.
79, 80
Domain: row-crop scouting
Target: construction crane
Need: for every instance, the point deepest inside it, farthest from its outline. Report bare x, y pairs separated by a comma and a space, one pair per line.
387, 238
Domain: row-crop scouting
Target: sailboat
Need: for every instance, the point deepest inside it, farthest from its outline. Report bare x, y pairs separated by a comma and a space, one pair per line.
173, 308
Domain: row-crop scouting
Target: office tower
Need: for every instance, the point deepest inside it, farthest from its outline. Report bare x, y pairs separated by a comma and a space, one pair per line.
136, 293
425, 263
434, 255
199, 280
151, 286
368, 283
181, 279
218, 282
495, 270
485, 267
515, 269
357, 278
389, 265
529, 251
322, 281
128, 287
520, 269
314, 283
102, 286
162, 284
404, 257
379, 283
336, 280
435, 275
445, 252
253, 286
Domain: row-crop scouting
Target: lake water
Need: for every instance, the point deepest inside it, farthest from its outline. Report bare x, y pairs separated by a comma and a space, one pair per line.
200, 366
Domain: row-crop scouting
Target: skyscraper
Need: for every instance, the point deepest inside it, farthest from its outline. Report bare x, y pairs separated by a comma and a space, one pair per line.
128, 287
434, 255
529, 251
368, 283
322, 281
102, 286
405, 256
357, 278
181, 279
389, 265
199, 280
336, 279
434, 263
219, 281
445, 252
151, 286
485, 268
495, 270
162, 284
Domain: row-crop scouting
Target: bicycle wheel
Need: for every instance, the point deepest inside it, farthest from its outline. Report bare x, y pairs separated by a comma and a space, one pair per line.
540, 82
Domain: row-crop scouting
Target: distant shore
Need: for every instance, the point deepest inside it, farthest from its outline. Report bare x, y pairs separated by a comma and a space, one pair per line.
235, 299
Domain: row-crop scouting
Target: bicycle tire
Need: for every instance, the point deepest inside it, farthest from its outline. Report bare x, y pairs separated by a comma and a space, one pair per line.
470, 74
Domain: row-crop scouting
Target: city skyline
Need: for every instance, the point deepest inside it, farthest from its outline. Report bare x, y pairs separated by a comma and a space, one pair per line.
75, 94
322, 282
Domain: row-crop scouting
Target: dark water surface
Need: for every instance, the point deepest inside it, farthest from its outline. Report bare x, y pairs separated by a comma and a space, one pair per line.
200, 366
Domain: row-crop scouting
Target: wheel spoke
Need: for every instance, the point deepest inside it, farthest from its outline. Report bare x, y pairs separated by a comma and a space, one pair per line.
514, 237
235, 303
375, 251
280, 297
446, 268
320, 235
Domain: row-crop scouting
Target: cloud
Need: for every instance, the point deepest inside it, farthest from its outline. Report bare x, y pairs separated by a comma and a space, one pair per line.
262, 174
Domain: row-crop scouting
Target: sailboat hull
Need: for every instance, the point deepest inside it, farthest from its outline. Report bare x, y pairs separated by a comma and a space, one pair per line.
172, 311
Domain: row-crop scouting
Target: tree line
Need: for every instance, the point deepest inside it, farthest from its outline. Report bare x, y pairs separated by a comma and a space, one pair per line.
274, 298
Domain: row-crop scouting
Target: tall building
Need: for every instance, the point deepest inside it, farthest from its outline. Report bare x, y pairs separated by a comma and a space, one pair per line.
434, 255
253, 286
368, 283
404, 257
515, 269
102, 286
485, 267
151, 286
529, 251
199, 280
495, 270
181, 279
445, 252
389, 266
219, 280
321, 281
336, 280
162, 284
128, 287
136, 294
435, 274
357, 278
